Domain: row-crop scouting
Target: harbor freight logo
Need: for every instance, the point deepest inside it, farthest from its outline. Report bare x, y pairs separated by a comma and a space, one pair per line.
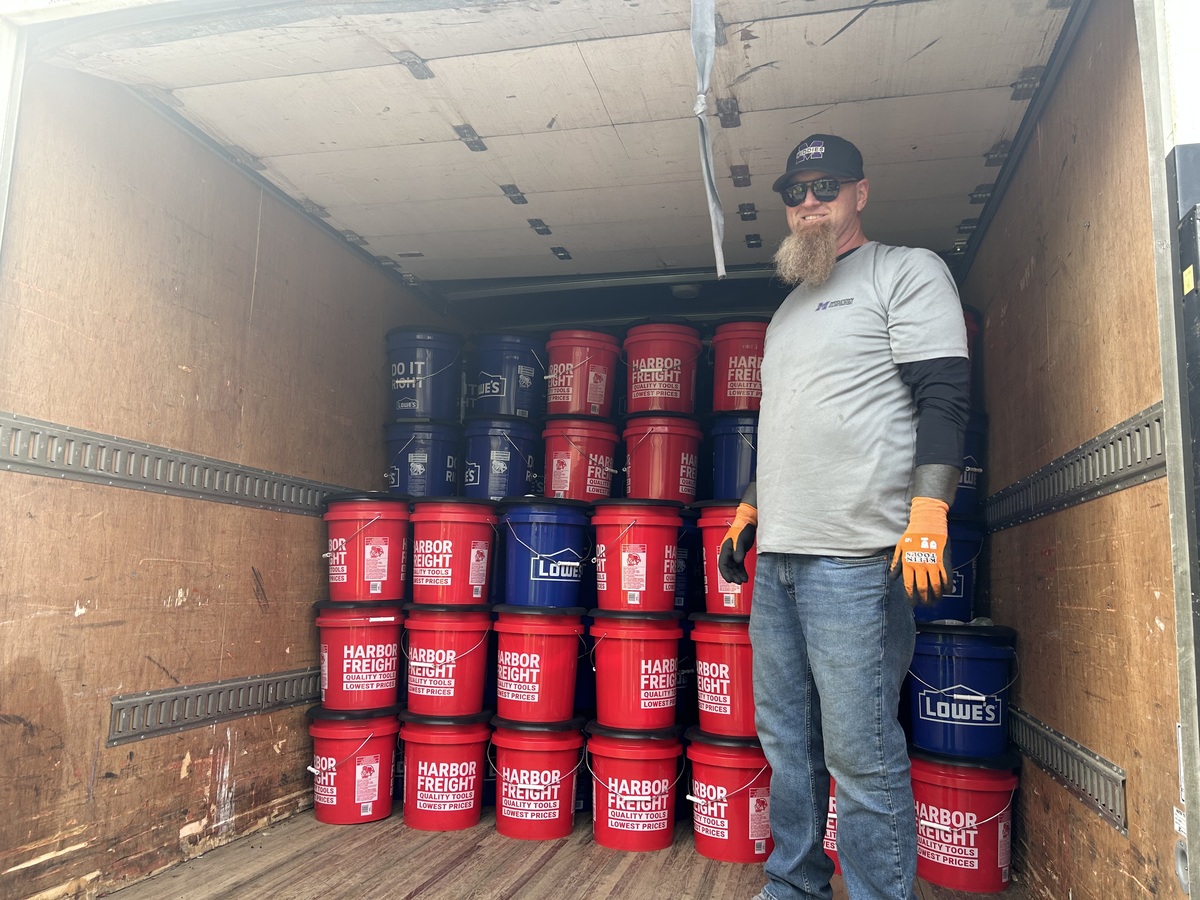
959, 705
834, 304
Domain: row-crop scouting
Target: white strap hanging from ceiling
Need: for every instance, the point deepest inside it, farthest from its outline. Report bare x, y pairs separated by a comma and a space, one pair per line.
704, 40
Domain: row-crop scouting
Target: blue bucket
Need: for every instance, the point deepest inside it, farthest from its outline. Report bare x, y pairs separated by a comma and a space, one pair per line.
423, 458
507, 376
425, 375
958, 689
689, 571
958, 600
500, 458
735, 455
545, 546
970, 485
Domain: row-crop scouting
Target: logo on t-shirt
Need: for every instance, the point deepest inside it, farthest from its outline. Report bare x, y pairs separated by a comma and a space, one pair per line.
834, 304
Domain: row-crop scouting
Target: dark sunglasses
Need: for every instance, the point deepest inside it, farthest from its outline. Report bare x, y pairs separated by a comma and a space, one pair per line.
824, 189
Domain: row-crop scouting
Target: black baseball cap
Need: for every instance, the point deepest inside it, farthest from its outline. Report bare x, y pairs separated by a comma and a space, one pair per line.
823, 153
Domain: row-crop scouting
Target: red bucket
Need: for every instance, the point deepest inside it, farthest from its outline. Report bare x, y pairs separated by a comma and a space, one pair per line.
443, 771
662, 368
368, 534
452, 547
637, 669
634, 777
536, 767
831, 829
360, 654
637, 554
737, 366
724, 674
731, 798
964, 825
537, 658
447, 659
579, 458
353, 757
583, 367
662, 457
722, 597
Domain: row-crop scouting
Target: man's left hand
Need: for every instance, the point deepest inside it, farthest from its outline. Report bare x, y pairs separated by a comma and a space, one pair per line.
921, 553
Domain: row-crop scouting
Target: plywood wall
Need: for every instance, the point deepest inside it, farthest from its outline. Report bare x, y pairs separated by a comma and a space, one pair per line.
1070, 349
151, 291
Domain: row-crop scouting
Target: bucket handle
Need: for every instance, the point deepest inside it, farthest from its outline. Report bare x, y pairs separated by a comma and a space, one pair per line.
699, 800
353, 536
747, 440
424, 665
975, 695
602, 549
540, 788
420, 378
334, 767
949, 828
596, 779
629, 454
579, 449
533, 353
580, 556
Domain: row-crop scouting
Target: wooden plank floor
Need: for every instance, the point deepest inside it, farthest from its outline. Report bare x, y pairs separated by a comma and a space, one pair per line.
302, 859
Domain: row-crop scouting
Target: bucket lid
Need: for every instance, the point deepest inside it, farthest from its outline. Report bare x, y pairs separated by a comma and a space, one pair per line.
539, 610
420, 420
634, 614
514, 725
473, 719
508, 337
381, 605
997, 633
426, 501
654, 734
477, 421
1009, 760
365, 496
422, 334
721, 740
725, 321
719, 618
631, 501
663, 322
447, 607
538, 500
324, 714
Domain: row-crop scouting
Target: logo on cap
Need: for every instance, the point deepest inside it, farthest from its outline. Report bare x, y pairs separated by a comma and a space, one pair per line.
815, 150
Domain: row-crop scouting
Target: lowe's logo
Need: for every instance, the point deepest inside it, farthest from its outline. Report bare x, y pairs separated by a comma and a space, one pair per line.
834, 304
542, 568
959, 706
491, 385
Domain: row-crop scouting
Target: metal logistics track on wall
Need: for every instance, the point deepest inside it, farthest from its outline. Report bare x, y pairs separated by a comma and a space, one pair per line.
62, 451
1128, 454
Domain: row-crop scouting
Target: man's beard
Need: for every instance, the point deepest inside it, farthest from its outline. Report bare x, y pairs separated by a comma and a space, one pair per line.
807, 255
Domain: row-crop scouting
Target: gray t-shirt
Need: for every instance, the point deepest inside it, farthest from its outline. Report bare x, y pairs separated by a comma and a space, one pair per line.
837, 431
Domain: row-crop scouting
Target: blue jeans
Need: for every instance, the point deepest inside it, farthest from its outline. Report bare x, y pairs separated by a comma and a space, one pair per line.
832, 640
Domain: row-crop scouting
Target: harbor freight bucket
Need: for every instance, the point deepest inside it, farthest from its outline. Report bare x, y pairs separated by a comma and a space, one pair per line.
636, 554
731, 797
444, 767
964, 824
545, 544
734, 441
353, 755
536, 770
662, 458
662, 368
579, 458
830, 842
958, 689
722, 597
423, 457
360, 654
446, 651
537, 659
636, 657
426, 371
737, 351
582, 373
724, 674
368, 543
508, 375
501, 458
634, 778
970, 484
958, 600
452, 550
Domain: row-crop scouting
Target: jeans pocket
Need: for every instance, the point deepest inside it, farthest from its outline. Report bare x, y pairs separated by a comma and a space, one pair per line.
853, 562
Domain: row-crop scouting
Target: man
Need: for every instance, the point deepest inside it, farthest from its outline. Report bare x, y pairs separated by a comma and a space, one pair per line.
864, 402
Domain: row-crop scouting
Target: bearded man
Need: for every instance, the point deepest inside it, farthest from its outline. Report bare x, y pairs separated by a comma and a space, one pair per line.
864, 404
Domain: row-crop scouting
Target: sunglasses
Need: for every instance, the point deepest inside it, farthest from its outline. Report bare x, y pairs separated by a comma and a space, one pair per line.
824, 189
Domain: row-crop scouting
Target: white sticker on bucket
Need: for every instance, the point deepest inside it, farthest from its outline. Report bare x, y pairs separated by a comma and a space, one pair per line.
366, 779
760, 816
633, 567
560, 472
375, 559
479, 566
597, 382
324, 669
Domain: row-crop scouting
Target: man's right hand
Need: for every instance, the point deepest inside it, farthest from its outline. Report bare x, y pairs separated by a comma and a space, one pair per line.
738, 541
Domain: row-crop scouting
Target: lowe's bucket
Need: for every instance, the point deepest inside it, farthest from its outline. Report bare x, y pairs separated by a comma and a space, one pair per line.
634, 776
545, 545
425, 373
537, 659
508, 376
353, 755
734, 455
724, 674
964, 824
636, 657
579, 458
636, 554
737, 351
582, 373
500, 458
423, 457
662, 368
662, 458
452, 550
731, 797
958, 689
536, 767
360, 654
721, 596
958, 600
443, 770
967, 497
446, 650
368, 543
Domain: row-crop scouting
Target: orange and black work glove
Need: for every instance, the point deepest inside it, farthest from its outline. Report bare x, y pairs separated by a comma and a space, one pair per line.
921, 553
738, 541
